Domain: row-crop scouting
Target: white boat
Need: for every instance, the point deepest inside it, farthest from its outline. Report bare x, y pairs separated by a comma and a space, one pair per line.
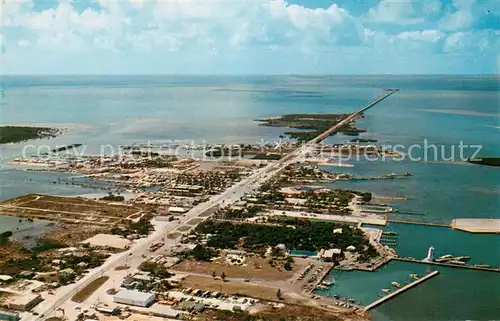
386, 291
396, 284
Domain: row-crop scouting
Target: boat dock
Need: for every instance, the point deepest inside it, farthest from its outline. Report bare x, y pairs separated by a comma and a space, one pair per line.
470, 267
321, 277
401, 290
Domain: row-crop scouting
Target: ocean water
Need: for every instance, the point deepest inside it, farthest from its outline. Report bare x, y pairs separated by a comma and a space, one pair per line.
440, 110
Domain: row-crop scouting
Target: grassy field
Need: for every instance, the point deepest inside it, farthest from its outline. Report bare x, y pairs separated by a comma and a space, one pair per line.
87, 291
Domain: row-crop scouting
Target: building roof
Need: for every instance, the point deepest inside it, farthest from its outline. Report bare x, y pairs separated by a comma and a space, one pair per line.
332, 252
134, 295
25, 299
164, 311
5, 278
10, 313
177, 209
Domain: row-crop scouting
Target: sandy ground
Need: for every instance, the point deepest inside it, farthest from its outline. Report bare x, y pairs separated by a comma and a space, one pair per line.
250, 271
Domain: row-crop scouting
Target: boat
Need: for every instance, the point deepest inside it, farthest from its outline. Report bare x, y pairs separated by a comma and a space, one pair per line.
327, 283
414, 276
481, 265
321, 287
456, 262
351, 300
344, 268
447, 256
396, 284
462, 258
386, 291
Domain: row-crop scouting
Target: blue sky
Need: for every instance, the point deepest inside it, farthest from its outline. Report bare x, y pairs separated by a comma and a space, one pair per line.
250, 37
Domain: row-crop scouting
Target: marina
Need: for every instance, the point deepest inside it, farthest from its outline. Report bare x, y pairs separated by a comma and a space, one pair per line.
401, 290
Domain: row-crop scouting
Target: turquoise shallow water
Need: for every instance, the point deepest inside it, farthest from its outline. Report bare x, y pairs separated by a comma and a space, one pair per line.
440, 109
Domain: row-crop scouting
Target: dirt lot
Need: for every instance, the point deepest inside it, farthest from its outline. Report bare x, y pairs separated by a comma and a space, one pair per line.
285, 313
256, 268
210, 284
294, 307
72, 235
67, 209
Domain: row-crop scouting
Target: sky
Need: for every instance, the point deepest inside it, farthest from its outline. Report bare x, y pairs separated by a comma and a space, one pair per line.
250, 37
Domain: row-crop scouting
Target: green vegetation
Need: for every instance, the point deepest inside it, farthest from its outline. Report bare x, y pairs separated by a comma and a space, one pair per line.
114, 198
488, 161
247, 212
363, 140
4, 237
199, 253
16, 134
293, 233
268, 156
87, 291
142, 227
155, 269
47, 245
311, 125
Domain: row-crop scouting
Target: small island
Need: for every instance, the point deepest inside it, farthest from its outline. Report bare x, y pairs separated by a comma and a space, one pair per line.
488, 161
363, 140
17, 134
311, 125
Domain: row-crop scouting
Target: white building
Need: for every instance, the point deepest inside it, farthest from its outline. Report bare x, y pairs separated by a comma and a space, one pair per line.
331, 253
136, 298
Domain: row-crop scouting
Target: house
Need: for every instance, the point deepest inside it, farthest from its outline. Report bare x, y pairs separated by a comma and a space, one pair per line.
337, 231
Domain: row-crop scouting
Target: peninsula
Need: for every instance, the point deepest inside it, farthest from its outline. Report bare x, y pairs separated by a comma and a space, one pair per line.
16, 134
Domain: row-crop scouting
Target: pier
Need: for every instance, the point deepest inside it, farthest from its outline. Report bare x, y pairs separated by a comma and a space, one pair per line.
418, 223
401, 290
477, 225
321, 277
469, 267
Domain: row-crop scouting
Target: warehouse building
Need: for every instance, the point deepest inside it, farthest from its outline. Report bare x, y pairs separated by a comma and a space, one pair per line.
24, 302
136, 298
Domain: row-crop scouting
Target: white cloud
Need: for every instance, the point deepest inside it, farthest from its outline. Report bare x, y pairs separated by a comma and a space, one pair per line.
473, 42
247, 30
424, 35
460, 17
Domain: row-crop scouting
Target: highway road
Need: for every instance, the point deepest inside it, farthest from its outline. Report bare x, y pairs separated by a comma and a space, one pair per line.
231, 195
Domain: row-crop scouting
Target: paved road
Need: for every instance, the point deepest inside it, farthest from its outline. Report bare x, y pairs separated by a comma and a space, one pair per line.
229, 196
